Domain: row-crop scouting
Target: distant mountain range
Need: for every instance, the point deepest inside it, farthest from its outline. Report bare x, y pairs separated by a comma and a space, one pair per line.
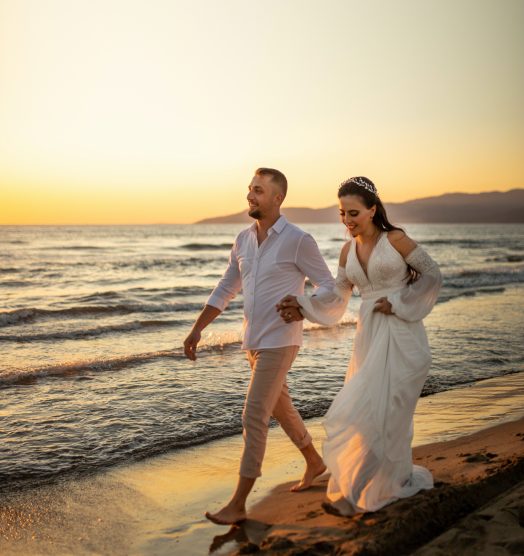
495, 206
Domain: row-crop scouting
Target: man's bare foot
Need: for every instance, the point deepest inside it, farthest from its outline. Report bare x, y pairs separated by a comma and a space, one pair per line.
228, 515
312, 472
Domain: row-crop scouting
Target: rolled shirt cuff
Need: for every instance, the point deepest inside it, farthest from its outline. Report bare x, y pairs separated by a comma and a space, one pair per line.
217, 302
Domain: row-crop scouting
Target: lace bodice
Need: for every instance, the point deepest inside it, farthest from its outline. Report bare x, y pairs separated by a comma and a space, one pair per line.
386, 268
387, 276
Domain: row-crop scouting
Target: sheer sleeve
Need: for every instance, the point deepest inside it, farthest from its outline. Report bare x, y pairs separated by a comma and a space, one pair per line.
414, 302
327, 307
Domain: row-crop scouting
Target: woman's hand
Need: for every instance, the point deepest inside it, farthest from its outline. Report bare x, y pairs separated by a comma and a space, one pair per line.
289, 309
382, 305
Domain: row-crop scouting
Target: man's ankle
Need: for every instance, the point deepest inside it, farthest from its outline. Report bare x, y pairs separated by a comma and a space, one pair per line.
238, 505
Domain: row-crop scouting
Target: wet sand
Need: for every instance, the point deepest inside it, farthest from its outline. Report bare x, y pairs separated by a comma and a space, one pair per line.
156, 506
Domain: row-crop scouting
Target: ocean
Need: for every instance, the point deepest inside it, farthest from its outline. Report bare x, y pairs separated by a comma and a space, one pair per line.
92, 321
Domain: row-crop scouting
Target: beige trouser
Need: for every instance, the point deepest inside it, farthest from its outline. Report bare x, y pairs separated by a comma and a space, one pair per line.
268, 396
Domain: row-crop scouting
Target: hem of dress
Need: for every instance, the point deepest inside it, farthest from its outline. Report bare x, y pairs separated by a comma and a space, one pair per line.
420, 479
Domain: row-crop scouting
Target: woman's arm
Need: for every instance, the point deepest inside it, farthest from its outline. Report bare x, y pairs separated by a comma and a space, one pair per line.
325, 307
415, 301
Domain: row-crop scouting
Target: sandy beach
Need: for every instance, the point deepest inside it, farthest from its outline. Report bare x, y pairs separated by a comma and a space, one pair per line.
472, 439
480, 473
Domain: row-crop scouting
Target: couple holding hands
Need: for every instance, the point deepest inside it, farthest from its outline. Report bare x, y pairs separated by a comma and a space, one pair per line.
369, 425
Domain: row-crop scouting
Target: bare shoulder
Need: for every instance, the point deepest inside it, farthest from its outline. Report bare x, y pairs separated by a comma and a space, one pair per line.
401, 242
344, 254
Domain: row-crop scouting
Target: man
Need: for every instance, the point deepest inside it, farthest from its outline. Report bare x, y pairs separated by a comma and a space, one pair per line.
268, 260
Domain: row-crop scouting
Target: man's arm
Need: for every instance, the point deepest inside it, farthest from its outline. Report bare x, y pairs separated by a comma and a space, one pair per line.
228, 287
207, 316
312, 264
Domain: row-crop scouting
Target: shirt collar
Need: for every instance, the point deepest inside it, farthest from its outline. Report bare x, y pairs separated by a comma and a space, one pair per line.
278, 226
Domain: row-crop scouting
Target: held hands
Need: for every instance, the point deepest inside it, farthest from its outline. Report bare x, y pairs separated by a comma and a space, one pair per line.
190, 344
382, 305
289, 309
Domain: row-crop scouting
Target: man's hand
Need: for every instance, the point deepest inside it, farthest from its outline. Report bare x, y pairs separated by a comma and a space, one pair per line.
290, 301
290, 314
289, 309
191, 343
207, 316
382, 305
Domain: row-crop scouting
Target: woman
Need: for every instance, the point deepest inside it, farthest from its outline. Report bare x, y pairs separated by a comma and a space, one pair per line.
369, 425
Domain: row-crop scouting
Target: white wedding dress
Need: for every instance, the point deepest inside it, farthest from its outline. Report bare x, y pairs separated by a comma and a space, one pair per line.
369, 425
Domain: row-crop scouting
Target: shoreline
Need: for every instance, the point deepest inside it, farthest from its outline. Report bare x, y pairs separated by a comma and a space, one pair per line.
311, 422
156, 506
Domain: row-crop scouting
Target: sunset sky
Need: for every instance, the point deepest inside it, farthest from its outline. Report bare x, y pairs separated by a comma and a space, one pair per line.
123, 111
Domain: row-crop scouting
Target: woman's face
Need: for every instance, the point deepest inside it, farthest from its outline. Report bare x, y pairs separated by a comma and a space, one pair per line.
355, 215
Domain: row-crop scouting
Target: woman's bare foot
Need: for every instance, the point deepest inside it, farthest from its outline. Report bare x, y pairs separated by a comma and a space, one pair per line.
330, 509
228, 515
311, 473
333, 509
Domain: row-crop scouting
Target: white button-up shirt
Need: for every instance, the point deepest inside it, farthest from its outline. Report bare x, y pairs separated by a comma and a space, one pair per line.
267, 273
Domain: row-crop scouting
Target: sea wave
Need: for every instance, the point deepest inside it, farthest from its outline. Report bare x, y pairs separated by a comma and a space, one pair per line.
65, 247
92, 332
475, 243
15, 283
67, 369
206, 246
24, 376
179, 291
507, 258
447, 295
441, 383
171, 263
174, 262
19, 316
483, 277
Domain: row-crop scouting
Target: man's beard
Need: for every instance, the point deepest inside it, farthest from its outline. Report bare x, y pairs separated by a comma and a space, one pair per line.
255, 213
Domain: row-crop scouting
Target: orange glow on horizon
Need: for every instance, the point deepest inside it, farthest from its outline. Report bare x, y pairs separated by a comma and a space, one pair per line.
164, 117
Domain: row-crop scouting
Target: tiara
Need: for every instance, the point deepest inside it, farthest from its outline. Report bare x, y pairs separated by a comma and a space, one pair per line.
367, 185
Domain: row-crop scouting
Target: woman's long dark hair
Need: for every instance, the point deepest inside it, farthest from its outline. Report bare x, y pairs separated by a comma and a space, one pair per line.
366, 190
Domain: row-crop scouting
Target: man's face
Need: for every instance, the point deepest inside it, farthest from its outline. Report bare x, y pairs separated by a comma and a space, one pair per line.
263, 197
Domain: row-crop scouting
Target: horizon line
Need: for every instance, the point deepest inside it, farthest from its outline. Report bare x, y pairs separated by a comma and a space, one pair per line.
199, 221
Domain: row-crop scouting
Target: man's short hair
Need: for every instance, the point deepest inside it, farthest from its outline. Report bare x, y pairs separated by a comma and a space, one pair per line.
276, 177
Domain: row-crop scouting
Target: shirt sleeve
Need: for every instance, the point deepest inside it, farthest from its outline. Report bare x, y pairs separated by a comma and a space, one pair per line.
230, 283
328, 307
414, 302
312, 264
